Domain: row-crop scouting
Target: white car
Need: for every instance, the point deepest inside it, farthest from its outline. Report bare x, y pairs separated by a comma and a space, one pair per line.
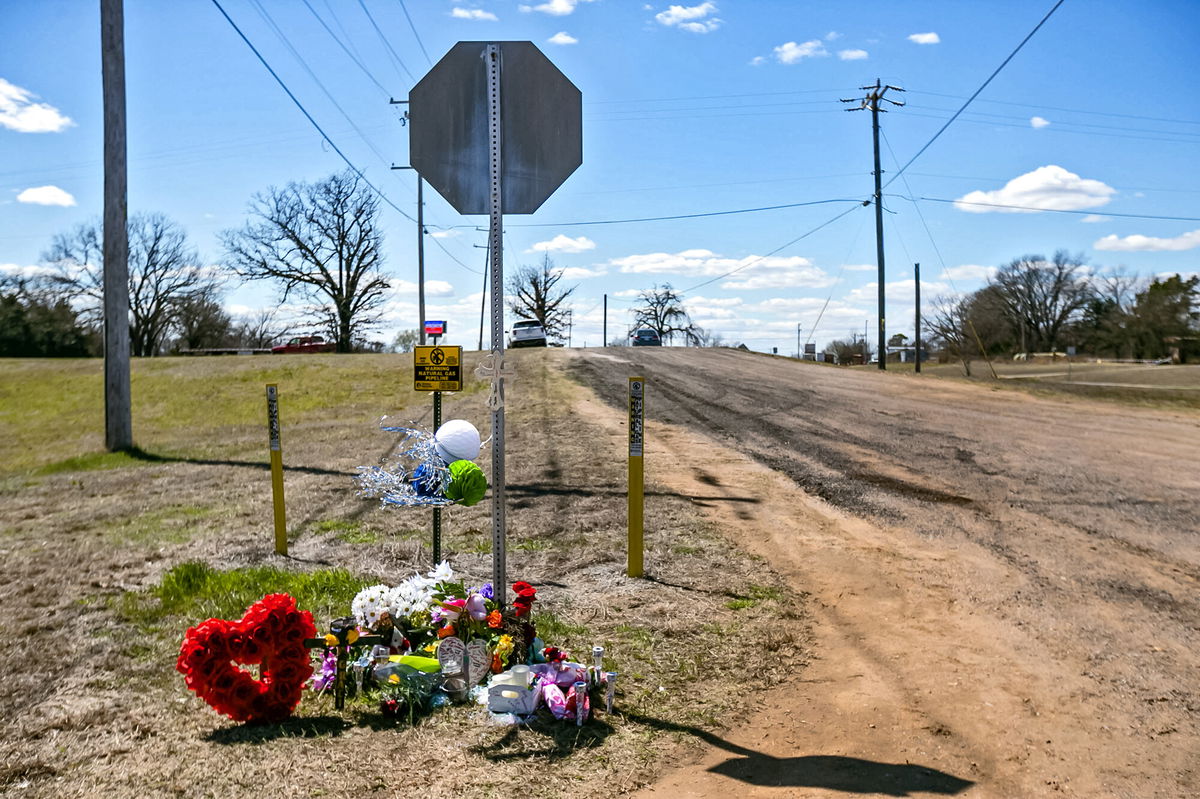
527, 333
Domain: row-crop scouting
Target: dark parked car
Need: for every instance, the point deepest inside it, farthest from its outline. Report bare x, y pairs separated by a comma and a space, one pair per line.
305, 344
646, 338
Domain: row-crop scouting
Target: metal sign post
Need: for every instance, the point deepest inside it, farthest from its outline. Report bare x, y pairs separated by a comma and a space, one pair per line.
496, 245
281, 542
437, 369
495, 141
637, 435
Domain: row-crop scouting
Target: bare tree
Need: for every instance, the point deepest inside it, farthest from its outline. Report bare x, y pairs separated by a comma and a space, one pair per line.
662, 310
321, 243
534, 294
260, 330
405, 340
164, 271
203, 323
1042, 297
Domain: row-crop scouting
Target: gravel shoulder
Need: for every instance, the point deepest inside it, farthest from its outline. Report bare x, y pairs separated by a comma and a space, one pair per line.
1004, 587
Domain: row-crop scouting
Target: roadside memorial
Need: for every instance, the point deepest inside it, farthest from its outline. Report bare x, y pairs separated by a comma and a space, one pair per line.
428, 642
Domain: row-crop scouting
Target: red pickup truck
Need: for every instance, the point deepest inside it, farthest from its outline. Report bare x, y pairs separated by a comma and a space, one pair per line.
305, 344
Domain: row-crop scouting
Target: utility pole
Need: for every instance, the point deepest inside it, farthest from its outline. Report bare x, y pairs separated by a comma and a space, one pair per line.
420, 252
605, 342
570, 326
870, 102
917, 343
118, 415
798, 353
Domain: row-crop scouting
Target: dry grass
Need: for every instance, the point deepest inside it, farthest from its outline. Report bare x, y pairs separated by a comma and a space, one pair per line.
90, 703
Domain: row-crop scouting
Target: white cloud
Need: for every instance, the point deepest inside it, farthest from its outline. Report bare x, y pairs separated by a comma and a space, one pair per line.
852, 55
46, 195
968, 272
790, 52
626, 293
832, 36
562, 37
555, 8
444, 234
758, 60
861, 267
19, 112
433, 288
754, 272
579, 272
561, 243
1038, 122
694, 19
897, 291
925, 38
26, 272
1050, 188
477, 14
1139, 243
1093, 218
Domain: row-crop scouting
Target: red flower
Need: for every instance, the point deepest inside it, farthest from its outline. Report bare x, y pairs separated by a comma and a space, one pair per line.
524, 589
271, 632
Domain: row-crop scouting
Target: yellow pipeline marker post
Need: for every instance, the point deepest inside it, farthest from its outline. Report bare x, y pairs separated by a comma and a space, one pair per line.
637, 396
281, 544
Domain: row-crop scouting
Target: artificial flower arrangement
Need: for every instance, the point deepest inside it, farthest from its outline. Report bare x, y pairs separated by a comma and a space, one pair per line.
272, 635
419, 644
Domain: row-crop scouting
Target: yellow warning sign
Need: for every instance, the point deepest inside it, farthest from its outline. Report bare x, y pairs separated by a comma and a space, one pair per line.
437, 368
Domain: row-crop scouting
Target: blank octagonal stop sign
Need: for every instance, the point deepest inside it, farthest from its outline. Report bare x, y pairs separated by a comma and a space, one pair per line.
541, 123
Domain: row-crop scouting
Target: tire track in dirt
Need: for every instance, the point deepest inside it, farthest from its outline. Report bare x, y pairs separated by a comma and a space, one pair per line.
1070, 610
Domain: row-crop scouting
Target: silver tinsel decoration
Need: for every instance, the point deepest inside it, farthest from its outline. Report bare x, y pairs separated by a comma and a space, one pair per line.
392, 481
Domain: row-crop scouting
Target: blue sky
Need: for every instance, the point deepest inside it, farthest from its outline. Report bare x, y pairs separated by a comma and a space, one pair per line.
691, 108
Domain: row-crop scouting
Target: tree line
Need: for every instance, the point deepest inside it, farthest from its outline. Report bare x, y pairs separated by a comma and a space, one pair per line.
1035, 304
319, 243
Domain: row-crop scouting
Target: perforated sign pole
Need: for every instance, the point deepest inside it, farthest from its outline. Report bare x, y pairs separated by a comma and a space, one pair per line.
281, 543
496, 243
637, 435
437, 512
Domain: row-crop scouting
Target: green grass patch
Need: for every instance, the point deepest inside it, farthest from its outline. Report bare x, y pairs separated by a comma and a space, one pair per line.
754, 595
351, 532
52, 409
94, 461
532, 545
171, 525
194, 591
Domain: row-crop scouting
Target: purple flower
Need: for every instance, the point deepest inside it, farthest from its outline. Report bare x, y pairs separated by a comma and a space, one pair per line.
486, 591
477, 607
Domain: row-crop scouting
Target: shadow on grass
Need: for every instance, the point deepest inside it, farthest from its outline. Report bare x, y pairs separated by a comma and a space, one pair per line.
831, 772
139, 454
552, 740
304, 727
524, 490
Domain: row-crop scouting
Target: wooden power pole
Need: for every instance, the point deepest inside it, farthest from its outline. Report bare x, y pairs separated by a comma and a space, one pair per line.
118, 417
871, 103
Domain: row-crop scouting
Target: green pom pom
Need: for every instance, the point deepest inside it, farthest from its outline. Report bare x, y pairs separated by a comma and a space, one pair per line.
467, 483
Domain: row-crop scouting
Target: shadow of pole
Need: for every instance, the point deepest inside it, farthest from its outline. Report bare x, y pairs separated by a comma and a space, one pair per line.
832, 772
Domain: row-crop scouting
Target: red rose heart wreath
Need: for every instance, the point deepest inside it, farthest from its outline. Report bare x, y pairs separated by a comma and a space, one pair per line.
272, 634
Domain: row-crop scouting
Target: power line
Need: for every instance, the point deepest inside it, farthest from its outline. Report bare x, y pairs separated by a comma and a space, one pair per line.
679, 216
345, 49
806, 234
1051, 210
309, 116
416, 35
266, 16
1058, 128
388, 45
1068, 110
442, 247
983, 86
717, 96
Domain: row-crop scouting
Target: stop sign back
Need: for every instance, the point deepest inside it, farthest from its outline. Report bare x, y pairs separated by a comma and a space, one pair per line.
541, 122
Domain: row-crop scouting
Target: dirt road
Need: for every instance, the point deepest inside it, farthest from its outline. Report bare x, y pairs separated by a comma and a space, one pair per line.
1005, 589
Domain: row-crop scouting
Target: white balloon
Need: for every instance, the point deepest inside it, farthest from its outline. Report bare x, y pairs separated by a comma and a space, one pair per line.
457, 440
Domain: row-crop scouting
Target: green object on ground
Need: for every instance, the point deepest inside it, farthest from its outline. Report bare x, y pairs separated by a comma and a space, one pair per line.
428, 665
467, 483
